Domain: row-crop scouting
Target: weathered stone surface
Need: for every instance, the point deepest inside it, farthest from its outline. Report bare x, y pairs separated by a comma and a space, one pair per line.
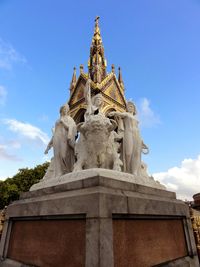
101, 200
48, 242
151, 241
133, 144
62, 141
82, 175
97, 146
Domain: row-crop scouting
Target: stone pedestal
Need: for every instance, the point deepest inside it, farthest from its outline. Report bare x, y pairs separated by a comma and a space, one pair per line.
98, 221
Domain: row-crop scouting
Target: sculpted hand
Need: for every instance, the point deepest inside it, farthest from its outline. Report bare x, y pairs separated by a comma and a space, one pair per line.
145, 149
46, 151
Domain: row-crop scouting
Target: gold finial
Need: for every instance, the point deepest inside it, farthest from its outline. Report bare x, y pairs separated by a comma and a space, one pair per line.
81, 68
97, 19
74, 74
97, 35
97, 22
113, 68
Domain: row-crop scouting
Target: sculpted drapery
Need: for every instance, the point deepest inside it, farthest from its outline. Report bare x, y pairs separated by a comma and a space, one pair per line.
63, 142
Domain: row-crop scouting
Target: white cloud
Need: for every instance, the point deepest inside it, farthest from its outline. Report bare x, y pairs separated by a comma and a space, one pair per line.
9, 56
3, 94
184, 180
27, 130
9, 143
146, 115
14, 144
5, 155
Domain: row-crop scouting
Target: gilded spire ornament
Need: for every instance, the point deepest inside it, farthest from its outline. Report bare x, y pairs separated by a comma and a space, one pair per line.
81, 68
97, 35
97, 61
113, 68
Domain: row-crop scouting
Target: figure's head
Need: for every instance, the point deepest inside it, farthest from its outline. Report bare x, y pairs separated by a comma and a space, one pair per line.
131, 107
64, 109
97, 100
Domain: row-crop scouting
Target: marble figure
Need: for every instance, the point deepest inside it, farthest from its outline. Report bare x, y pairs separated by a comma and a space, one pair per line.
63, 142
132, 143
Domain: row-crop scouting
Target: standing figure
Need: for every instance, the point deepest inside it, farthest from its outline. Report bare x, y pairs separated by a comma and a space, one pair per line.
94, 104
132, 144
63, 141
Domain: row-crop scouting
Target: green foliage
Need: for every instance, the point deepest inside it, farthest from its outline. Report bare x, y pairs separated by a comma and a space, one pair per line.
11, 188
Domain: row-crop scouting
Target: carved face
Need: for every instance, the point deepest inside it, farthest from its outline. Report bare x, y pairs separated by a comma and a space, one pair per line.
64, 110
98, 100
131, 108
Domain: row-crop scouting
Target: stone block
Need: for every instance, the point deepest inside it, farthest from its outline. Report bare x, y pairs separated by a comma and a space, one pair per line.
102, 222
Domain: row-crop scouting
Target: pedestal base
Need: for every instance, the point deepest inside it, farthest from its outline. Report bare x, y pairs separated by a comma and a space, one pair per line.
98, 221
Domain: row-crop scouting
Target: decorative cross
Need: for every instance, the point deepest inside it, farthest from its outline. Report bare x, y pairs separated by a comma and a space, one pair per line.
97, 19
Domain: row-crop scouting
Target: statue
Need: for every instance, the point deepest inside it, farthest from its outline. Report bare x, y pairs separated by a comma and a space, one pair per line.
63, 142
94, 104
132, 144
97, 147
50, 170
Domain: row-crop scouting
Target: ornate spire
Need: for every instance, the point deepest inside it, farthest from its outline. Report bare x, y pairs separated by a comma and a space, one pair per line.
113, 68
97, 35
120, 80
97, 61
108, 84
73, 81
81, 68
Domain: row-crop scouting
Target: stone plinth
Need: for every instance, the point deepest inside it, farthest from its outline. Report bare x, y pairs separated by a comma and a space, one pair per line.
98, 221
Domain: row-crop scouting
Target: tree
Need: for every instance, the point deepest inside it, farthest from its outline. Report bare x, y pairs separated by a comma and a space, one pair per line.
11, 188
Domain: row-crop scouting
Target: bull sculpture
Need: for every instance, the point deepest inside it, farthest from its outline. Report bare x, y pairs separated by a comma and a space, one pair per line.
97, 146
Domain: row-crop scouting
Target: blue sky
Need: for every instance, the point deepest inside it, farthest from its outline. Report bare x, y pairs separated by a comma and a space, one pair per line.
157, 45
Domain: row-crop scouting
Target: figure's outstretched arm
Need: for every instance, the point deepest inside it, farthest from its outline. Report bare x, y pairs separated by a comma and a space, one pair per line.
116, 113
49, 146
88, 100
145, 149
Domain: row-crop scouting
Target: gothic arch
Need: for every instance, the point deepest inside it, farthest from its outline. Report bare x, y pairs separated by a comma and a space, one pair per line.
109, 110
79, 116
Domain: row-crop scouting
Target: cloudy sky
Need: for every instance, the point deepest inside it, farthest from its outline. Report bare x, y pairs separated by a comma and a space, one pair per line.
157, 45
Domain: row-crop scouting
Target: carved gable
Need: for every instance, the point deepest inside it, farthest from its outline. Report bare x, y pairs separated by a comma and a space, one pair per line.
78, 93
113, 90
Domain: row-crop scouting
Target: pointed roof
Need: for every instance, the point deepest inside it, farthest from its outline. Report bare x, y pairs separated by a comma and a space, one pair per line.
73, 81
97, 61
120, 80
97, 35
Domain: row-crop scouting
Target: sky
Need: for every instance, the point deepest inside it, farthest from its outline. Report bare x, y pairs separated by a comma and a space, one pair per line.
156, 44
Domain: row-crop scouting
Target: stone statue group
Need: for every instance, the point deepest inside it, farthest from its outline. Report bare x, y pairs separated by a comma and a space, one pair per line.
109, 141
